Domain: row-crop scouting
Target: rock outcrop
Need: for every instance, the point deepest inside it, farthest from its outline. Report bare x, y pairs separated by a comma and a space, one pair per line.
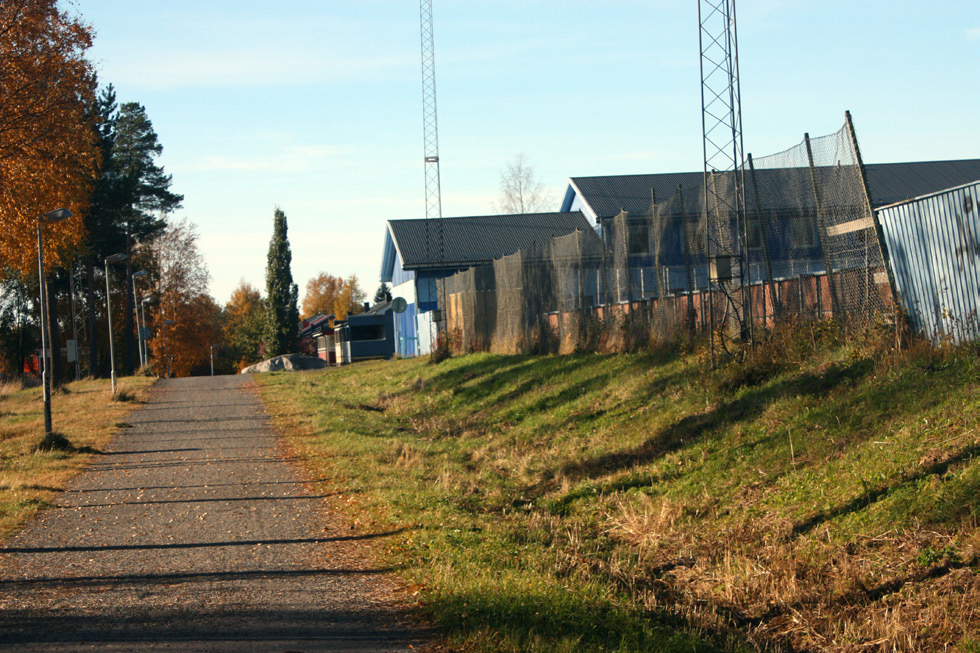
288, 362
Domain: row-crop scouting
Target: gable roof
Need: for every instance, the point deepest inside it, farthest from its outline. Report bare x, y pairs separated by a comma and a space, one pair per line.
472, 240
310, 325
889, 183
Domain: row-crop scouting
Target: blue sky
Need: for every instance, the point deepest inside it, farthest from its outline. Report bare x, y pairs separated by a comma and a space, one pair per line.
315, 105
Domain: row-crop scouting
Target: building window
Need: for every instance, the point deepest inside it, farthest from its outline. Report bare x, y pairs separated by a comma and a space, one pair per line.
803, 233
639, 238
367, 332
754, 229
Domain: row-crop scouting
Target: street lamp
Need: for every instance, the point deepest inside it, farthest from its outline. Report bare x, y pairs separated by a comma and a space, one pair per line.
48, 218
146, 331
115, 258
166, 345
213, 347
136, 310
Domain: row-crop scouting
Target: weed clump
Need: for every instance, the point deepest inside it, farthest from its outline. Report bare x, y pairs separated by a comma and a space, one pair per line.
124, 396
54, 441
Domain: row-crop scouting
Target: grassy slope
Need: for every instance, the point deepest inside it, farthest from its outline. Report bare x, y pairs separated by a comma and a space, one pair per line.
83, 412
824, 499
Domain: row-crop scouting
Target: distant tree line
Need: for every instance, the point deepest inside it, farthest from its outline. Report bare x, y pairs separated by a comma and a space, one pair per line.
66, 141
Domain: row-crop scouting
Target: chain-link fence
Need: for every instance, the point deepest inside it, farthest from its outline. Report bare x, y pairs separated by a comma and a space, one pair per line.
803, 243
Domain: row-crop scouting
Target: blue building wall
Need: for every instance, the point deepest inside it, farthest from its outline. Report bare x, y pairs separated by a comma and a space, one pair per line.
406, 336
400, 275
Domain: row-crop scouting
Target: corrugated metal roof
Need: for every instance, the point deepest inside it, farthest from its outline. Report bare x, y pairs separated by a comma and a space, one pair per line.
889, 183
897, 182
478, 239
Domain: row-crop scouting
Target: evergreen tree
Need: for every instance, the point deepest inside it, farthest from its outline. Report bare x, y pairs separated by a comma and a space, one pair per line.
382, 294
282, 295
131, 193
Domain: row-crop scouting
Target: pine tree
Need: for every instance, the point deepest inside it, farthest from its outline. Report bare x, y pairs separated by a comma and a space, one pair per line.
382, 294
282, 295
130, 195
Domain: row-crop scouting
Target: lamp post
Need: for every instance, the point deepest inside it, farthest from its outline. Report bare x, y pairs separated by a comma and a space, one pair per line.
213, 347
48, 218
166, 345
146, 345
136, 310
115, 258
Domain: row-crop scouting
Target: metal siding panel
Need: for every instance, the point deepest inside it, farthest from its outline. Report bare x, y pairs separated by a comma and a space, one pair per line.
934, 250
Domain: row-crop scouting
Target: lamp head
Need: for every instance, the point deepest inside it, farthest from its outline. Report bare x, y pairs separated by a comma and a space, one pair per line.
56, 216
141, 273
116, 258
166, 322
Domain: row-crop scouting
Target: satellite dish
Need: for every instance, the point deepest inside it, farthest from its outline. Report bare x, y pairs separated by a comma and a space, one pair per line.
398, 304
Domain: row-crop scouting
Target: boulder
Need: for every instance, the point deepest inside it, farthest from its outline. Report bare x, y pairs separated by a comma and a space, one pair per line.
287, 362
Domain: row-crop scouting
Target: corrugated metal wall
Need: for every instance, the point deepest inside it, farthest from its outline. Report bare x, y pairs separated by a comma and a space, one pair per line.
933, 245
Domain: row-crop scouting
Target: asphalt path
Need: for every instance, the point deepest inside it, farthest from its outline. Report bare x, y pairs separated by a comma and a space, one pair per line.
193, 531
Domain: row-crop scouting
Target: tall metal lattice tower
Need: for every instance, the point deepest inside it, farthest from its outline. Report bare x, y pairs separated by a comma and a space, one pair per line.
726, 228
430, 122
434, 244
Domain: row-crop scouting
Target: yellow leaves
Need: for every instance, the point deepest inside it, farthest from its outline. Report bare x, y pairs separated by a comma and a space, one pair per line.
196, 326
326, 294
48, 148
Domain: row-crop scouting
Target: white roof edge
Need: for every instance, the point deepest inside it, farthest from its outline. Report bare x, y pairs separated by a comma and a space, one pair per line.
928, 195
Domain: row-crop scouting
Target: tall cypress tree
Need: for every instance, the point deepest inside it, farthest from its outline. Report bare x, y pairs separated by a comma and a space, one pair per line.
282, 295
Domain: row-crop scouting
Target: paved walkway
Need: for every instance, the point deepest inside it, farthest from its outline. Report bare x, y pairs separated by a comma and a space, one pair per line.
193, 533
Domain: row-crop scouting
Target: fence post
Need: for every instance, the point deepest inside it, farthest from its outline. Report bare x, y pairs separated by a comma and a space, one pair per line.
765, 243
879, 232
707, 270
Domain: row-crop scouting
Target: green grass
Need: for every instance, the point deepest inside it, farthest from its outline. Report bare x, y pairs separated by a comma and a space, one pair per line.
640, 503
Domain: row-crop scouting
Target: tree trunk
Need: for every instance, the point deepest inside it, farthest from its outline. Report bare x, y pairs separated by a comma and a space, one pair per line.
54, 337
93, 321
130, 366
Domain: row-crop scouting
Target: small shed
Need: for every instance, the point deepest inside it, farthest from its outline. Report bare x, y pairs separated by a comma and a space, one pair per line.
365, 336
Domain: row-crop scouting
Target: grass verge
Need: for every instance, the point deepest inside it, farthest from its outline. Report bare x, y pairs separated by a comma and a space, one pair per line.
34, 468
822, 499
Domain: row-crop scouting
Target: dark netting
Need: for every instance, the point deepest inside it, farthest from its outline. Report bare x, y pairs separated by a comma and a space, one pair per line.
469, 310
815, 213
615, 269
540, 308
576, 261
677, 274
803, 244
508, 334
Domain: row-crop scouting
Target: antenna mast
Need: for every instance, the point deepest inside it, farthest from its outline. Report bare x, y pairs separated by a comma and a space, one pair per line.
430, 123
434, 244
724, 187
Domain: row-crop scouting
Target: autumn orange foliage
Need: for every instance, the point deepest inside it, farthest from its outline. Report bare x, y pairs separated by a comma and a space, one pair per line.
48, 149
244, 325
326, 294
182, 296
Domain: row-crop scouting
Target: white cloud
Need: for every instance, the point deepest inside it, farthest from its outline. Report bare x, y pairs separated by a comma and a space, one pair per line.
973, 34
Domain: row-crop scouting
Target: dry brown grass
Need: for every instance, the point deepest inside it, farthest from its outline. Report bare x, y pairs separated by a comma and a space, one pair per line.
83, 412
911, 591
